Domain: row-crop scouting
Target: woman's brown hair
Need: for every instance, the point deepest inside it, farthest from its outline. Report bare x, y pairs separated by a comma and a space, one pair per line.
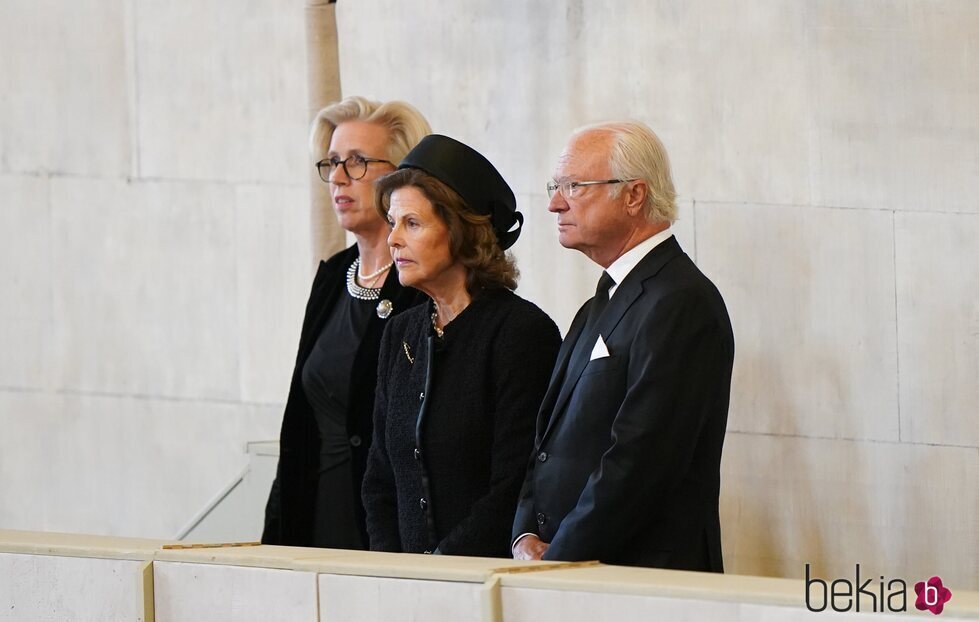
472, 241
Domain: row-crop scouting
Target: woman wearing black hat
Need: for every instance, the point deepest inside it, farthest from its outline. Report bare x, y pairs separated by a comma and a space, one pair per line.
326, 427
460, 379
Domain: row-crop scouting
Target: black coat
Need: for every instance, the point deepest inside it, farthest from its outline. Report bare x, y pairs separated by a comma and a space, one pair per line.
471, 419
626, 464
292, 501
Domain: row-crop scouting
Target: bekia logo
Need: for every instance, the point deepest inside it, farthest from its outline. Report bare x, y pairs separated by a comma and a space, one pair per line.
932, 595
886, 596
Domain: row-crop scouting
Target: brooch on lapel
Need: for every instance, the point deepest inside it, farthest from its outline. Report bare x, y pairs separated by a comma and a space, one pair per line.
384, 309
404, 344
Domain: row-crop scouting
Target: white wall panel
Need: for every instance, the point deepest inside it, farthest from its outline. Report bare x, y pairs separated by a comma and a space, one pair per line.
272, 249
64, 79
25, 282
811, 297
42, 588
233, 593
144, 295
894, 100
222, 91
898, 510
120, 466
938, 327
377, 599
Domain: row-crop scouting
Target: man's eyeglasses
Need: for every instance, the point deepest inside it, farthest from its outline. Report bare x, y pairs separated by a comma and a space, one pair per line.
568, 189
354, 166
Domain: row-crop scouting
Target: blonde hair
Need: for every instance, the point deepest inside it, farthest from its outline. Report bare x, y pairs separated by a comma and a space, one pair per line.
638, 153
405, 125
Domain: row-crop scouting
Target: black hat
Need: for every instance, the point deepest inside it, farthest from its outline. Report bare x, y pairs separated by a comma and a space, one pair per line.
466, 171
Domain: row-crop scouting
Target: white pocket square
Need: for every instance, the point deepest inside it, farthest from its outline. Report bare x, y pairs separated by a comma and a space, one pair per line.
600, 350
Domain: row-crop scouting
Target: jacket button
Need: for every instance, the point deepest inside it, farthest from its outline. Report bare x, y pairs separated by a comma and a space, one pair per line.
355, 441
418, 454
541, 519
542, 456
422, 503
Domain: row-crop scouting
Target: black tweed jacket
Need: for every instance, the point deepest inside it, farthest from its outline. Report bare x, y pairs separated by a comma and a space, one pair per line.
454, 423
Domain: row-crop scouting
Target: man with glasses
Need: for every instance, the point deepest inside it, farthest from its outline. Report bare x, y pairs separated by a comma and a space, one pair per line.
626, 462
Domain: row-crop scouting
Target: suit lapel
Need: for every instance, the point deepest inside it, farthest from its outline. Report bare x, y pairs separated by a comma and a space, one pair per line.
625, 295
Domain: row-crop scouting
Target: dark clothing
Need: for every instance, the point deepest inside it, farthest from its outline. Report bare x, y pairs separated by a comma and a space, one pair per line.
626, 462
293, 500
326, 382
472, 423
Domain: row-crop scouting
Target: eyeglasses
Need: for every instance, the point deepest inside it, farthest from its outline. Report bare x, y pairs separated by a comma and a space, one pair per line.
354, 166
568, 188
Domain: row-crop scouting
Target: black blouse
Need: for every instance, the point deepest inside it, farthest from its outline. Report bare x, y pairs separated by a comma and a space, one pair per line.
326, 382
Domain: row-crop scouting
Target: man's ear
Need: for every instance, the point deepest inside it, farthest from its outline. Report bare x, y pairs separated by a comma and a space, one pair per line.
635, 197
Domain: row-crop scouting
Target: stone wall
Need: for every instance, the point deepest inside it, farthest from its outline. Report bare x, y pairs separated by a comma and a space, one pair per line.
154, 255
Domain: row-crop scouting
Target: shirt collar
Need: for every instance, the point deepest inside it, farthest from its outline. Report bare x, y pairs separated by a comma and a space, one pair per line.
622, 266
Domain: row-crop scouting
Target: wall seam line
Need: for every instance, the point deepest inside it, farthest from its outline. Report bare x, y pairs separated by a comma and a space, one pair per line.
897, 328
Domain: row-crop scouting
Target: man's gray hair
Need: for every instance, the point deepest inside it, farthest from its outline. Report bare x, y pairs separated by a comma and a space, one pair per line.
638, 153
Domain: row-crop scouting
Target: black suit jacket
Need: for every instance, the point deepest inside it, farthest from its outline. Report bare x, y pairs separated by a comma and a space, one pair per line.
626, 466
291, 505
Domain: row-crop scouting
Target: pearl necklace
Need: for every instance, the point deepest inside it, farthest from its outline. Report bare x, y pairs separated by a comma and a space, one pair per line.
359, 292
435, 325
373, 275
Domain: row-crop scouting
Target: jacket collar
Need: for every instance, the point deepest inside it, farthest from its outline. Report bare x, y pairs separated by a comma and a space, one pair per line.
627, 293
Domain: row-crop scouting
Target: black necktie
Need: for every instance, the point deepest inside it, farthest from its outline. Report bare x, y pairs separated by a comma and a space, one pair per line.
598, 304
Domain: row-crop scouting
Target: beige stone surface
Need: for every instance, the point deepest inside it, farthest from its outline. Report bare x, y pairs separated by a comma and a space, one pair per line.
371, 599
273, 281
222, 91
78, 545
207, 592
63, 75
261, 581
898, 510
894, 100
811, 297
412, 566
36, 587
122, 466
144, 297
937, 257
532, 605
25, 280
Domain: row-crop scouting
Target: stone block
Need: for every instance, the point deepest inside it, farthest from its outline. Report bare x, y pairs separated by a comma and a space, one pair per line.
746, 135
47, 587
144, 294
119, 466
521, 604
25, 280
938, 327
811, 297
222, 91
210, 592
66, 93
896, 509
376, 599
273, 277
894, 96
